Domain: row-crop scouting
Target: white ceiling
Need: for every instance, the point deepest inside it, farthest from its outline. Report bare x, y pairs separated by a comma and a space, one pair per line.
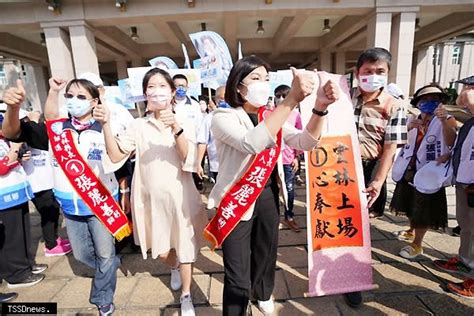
188, 27
313, 26
248, 27
147, 33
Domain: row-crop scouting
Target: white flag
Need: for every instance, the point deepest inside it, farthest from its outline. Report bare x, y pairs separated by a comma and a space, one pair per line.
187, 63
240, 51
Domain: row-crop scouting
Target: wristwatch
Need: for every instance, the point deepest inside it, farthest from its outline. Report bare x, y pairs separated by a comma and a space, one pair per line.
179, 133
319, 113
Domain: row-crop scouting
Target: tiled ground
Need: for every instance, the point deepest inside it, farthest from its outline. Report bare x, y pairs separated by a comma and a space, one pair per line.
404, 287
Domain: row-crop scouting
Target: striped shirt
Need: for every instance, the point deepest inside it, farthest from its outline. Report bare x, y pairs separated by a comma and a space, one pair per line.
379, 121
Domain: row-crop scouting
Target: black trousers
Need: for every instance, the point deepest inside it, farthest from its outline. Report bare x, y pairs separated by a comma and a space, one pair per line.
15, 243
369, 167
48, 208
250, 254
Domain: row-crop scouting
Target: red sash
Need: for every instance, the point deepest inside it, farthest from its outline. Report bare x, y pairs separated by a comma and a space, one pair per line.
243, 193
84, 181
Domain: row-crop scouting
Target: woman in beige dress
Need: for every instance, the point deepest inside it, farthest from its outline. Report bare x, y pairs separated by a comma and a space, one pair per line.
168, 214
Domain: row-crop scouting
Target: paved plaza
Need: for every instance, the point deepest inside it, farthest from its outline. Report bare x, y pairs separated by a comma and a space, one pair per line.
403, 286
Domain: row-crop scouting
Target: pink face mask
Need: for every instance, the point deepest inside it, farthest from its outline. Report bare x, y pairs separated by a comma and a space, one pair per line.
158, 99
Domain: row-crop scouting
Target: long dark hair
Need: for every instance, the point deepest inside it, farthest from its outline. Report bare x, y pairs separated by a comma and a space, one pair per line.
240, 70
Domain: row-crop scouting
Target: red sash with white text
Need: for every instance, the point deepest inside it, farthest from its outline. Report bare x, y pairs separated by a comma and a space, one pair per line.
243, 193
84, 181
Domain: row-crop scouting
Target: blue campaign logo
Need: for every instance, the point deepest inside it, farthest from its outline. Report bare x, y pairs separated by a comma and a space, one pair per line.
94, 154
57, 128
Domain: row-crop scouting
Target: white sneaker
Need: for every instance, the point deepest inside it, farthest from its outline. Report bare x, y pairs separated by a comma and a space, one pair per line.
267, 306
175, 279
187, 307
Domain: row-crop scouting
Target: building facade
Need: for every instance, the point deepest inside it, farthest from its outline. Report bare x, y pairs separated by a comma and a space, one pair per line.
69, 37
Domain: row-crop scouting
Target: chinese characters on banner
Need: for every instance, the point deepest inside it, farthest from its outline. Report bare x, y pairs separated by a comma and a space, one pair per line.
339, 251
334, 205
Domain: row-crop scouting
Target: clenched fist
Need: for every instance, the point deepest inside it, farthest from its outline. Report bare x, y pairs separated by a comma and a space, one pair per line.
56, 84
328, 93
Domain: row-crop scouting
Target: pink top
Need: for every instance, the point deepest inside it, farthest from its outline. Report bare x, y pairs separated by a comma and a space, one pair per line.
288, 153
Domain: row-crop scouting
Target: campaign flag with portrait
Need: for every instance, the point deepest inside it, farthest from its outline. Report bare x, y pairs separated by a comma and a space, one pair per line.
163, 62
216, 61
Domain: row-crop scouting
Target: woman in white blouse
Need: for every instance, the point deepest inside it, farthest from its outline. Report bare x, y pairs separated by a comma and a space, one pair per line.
250, 249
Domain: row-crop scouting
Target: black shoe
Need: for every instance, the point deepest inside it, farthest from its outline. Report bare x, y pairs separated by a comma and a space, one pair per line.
107, 310
353, 299
7, 297
38, 268
31, 280
456, 231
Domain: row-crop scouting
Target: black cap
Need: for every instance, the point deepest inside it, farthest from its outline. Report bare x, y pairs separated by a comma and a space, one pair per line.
467, 81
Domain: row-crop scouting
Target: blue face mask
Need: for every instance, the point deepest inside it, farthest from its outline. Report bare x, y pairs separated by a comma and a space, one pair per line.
428, 107
78, 108
181, 92
223, 104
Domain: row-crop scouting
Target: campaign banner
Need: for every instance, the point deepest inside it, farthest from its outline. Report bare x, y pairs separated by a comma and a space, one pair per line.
163, 62
339, 250
126, 92
215, 57
113, 95
136, 79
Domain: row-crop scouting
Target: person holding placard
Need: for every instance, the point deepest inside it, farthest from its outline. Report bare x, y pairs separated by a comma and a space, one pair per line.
168, 214
380, 122
246, 195
431, 135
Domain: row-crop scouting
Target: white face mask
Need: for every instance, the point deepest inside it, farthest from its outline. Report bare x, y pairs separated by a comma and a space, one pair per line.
279, 100
158, 99
258, 93
78, 108
372, 83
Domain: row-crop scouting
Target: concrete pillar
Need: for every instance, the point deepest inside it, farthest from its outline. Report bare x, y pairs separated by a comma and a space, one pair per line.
378, 30
59, 53
401, 47
41, 87
341, 63
121, 69
447, 54
423, 67
83, 49
325, 61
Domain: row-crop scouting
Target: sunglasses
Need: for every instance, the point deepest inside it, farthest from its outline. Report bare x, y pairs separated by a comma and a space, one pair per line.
79, 96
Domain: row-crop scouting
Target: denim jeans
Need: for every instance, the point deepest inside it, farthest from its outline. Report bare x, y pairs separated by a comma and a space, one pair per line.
290, 187
93, 245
